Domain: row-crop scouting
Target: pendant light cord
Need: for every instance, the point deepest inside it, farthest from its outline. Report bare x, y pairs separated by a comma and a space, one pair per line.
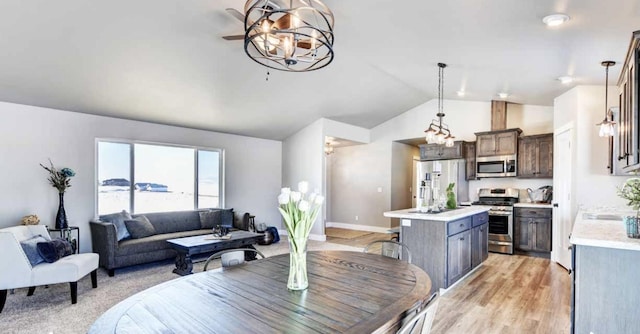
606, 92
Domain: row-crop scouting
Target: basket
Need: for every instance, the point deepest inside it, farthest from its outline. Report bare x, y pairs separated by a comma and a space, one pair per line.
631, 222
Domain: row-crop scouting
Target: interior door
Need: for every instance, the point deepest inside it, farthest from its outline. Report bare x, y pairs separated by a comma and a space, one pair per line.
562, 220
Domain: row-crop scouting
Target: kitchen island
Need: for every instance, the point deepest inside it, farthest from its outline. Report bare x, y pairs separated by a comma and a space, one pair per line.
605, 288
447, 245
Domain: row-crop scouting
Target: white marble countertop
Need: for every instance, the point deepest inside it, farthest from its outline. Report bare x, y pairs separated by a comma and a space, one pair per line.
606, 233
461, 212
532, 205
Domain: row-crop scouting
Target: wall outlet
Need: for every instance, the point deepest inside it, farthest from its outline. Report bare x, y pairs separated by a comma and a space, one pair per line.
379, 189
356, 218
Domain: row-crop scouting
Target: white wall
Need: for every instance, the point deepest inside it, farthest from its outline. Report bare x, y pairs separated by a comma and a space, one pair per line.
303, 160
583, 106
31, 135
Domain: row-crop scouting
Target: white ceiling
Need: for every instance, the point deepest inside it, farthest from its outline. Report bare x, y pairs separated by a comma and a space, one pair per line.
165, 61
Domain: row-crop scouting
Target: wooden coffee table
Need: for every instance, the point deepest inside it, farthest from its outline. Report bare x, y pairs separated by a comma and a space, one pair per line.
188, 246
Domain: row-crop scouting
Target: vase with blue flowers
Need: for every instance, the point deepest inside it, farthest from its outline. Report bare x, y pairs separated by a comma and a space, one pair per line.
61, 180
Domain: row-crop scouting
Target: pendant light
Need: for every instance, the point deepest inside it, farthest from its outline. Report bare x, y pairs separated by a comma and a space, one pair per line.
438, 132
606, 126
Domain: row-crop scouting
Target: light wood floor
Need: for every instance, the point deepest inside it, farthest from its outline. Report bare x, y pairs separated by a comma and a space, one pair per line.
506, 294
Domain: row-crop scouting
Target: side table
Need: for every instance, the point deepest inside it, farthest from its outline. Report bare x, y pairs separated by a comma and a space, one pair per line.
67, 234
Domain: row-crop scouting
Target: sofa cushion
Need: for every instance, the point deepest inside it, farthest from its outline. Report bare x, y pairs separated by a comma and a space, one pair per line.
209, 219
153, 243
168, 222
118, 219
226, 217
30, 248
139, 227
55, 249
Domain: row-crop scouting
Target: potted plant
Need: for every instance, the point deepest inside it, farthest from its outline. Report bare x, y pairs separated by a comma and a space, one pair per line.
630, 191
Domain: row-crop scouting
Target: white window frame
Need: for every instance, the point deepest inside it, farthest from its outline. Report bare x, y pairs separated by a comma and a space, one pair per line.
131, 143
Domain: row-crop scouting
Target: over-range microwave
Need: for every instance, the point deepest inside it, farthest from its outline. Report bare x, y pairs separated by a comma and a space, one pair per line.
497, 166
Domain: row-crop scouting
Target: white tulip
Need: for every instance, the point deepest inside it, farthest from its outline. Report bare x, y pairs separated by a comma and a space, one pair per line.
312, 197
283, 198
303, 206
295, 196
319, 199
285, 190
303, 187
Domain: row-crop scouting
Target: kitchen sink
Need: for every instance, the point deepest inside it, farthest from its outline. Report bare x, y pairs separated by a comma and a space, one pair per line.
602, 216
434, 213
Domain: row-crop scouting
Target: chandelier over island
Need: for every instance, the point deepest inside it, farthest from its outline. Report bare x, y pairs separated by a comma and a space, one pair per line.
438, 132
292, 36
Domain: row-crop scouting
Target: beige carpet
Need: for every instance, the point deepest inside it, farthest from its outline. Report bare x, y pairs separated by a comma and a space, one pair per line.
341, 233
50, 310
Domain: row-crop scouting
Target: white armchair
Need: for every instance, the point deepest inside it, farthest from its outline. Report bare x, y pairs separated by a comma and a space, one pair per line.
16, 270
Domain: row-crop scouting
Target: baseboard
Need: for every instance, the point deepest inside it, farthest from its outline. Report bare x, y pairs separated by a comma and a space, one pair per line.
358, 227
443, 291
317, 237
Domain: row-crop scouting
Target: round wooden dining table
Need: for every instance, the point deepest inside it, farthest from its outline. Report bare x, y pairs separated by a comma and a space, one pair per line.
349, 292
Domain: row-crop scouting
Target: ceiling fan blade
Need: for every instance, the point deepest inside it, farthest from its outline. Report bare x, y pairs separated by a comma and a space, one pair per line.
305, 44
235, 13
233, 37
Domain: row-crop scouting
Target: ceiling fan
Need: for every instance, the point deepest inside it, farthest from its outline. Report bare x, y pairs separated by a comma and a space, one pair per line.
284, 22
294, 35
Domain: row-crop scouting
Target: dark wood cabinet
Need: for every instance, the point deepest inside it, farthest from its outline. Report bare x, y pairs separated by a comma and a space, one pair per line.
533, 229
441, 152
535, 156
479, 244
447, 250
458, 256
626, 156
492, 143
470, 160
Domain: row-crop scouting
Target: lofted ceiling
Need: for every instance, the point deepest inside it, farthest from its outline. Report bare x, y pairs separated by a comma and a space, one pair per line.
164, 61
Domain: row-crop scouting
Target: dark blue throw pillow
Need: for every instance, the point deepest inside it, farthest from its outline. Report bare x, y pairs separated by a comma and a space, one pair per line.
274, 233
54, 250
118, 220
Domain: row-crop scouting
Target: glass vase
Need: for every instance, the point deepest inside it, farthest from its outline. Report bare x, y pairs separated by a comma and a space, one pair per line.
297, 264
61, 216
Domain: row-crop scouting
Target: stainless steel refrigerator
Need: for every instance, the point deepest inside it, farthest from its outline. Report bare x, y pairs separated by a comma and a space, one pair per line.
450, 171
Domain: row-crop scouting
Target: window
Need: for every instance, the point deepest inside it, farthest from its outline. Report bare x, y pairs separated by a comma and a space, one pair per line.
143, 177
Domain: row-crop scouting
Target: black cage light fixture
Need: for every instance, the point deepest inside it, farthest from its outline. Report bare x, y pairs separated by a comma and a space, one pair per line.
289, 35
607, 124
438, 132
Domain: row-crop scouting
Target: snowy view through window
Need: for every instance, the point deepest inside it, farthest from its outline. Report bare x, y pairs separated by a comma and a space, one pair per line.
164, 178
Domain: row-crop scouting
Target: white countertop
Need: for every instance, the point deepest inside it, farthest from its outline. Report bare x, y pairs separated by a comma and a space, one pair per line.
603, 232
533, 205
462, 212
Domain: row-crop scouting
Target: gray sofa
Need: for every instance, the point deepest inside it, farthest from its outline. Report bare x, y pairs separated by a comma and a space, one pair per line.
168, 225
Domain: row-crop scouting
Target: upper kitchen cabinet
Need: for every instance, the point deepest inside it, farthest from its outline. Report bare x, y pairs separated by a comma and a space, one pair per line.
625, 156
470, 160
441, 152
492, 143
535, 156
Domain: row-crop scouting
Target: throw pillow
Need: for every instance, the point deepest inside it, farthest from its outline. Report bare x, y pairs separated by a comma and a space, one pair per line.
30, 248
209, 219
140, 227
226, 218
118, 219
52, 251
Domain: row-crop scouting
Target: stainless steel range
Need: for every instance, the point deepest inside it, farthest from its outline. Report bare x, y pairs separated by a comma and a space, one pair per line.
501, 201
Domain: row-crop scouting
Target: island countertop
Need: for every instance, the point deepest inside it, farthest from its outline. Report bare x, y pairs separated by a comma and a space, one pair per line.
461, 212
603, 229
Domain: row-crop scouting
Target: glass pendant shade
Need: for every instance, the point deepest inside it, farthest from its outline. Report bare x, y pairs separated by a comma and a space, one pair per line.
606, 128
448, 141
431, 135
440, 138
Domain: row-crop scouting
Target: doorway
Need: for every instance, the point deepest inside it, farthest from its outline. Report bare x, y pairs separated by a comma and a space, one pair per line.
562, 197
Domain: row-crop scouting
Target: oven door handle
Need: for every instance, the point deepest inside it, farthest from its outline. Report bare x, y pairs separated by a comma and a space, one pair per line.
500, 213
